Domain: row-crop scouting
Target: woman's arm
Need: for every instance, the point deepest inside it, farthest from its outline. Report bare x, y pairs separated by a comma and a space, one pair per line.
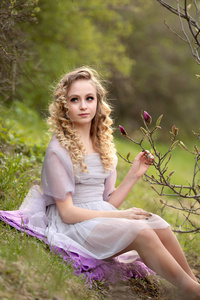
71, 214
138, 168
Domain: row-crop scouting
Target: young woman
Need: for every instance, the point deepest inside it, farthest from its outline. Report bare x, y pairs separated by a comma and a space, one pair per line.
77, 209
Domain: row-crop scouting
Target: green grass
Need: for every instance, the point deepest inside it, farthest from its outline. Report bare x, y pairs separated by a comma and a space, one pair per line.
28, 269
23, 122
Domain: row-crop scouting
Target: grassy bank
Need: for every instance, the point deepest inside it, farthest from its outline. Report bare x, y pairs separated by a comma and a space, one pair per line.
28, 270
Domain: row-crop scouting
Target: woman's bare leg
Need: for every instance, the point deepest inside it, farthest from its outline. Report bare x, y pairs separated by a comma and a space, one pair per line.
171, 243
158, 258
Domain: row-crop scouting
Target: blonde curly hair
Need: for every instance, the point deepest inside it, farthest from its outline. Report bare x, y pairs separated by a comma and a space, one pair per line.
101, 130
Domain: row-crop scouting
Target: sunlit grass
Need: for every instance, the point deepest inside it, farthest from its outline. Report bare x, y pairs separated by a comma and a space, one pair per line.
30, 271
24, 122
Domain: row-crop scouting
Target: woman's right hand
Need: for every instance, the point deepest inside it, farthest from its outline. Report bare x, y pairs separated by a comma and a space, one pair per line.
134, 213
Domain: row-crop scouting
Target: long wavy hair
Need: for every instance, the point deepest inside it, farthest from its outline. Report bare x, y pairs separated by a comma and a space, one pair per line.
101, 127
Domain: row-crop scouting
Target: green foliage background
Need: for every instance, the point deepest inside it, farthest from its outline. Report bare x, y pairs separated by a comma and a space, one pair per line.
126, 41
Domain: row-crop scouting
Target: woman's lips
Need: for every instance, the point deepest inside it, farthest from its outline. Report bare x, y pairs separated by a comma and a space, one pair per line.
84, 115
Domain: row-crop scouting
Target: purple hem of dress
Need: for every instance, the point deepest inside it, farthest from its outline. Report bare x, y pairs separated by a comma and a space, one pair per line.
89, 268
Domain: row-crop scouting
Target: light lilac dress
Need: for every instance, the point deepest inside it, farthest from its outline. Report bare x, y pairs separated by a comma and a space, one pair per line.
90, 242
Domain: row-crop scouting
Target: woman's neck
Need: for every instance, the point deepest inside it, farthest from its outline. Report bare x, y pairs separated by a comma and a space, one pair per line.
83, 129
86, 139
88, 145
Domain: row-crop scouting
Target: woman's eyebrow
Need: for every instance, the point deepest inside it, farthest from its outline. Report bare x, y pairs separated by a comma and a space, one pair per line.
75, 95
90, 94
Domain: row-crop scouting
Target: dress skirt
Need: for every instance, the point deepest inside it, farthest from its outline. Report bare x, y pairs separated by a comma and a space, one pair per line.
87, 245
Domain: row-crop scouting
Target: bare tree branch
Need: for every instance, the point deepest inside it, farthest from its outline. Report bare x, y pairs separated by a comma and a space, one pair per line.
161, 183
182, 11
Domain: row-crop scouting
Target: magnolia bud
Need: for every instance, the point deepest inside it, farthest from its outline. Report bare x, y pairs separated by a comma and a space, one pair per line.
147, 118
122, 130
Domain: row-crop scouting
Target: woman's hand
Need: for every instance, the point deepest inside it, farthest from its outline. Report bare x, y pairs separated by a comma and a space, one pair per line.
134, 214
141, 164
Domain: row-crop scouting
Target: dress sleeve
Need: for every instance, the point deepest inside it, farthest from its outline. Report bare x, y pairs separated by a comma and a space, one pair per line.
110, 183
57, 174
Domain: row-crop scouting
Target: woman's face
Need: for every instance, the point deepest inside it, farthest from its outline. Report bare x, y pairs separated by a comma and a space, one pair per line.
82, 102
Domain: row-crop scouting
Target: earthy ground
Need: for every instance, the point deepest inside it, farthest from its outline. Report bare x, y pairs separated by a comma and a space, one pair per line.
16, 285
152, 287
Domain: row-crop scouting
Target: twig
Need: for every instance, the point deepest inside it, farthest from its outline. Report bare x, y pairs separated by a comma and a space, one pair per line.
192, 23
162, 179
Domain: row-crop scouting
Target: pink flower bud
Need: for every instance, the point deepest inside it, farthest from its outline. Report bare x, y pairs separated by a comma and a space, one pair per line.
122, 130
147, 118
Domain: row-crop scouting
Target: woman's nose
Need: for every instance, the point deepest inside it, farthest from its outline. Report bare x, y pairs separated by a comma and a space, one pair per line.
83, 104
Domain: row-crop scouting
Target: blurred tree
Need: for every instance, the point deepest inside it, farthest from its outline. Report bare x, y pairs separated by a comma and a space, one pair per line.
70, 34
148, 67
163, 76
13, 50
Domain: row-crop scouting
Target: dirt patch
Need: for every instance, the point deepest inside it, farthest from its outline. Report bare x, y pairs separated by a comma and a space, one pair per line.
152, 287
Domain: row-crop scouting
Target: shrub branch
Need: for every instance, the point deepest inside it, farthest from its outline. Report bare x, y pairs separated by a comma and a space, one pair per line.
189, 12
162, 182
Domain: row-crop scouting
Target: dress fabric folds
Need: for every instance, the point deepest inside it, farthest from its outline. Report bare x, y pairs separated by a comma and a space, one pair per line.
87, 245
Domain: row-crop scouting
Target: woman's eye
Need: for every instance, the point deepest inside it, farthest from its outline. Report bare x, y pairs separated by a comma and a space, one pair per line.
90, 98
74, 100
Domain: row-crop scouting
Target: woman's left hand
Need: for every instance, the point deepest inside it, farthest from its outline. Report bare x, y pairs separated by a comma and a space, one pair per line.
141, 163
